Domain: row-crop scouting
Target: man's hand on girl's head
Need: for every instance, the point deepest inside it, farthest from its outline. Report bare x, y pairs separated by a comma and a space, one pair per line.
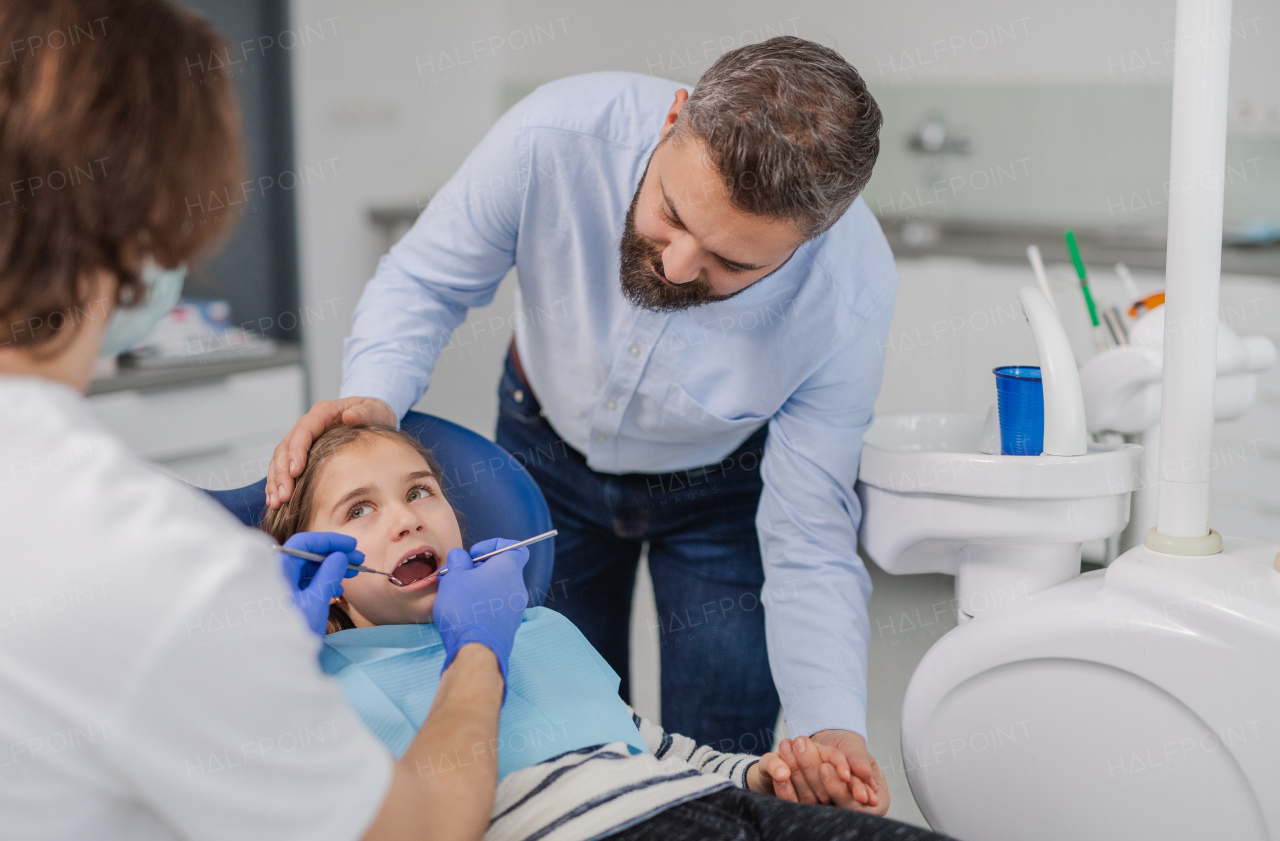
290, 455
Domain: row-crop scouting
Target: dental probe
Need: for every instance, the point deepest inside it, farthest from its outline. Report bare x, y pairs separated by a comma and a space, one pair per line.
312, 556
535, 539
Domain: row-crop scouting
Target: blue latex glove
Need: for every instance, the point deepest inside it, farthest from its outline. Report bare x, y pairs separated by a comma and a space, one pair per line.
315, 584
482, 603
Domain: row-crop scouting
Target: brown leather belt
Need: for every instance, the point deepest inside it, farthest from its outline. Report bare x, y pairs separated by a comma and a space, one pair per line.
515, 363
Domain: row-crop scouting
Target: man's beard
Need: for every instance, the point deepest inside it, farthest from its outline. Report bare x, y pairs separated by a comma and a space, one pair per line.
641, 259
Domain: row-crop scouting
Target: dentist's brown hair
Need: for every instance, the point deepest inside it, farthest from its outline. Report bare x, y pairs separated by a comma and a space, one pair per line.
111, 132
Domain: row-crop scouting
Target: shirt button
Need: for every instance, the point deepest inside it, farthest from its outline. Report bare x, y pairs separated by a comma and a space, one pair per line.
611, 404
602, 437
634, 350
518, 395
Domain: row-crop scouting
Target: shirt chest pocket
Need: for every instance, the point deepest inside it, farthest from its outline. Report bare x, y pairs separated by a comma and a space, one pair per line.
685, 420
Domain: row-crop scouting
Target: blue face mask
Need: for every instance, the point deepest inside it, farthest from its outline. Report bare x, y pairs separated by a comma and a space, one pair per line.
131, 324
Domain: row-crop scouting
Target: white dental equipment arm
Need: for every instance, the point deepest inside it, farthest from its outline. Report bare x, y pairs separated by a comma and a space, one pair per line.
1064, 424
1192, 275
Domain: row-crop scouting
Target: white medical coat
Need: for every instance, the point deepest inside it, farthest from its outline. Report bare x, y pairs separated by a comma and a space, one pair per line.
155, 682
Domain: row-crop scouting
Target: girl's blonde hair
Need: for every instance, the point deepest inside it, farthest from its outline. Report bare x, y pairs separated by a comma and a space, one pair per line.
295, 515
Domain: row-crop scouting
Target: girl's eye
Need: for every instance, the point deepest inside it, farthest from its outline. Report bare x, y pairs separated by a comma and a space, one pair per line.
419, 492
360, 510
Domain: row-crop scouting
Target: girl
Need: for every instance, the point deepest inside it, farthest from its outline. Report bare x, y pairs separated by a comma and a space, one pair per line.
574, 761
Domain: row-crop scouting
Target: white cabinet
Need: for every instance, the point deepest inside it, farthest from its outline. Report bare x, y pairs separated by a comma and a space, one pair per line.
214, 433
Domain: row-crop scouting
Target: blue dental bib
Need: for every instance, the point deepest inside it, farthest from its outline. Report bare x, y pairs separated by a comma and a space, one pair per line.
561, 694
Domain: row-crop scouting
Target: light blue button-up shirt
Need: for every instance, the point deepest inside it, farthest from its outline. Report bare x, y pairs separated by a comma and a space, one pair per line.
547, 191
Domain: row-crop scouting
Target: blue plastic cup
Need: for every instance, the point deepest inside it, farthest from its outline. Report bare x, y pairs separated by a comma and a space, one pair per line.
1020, 398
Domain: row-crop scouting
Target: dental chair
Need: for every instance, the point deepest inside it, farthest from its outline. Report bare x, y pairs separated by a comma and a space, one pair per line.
493, 495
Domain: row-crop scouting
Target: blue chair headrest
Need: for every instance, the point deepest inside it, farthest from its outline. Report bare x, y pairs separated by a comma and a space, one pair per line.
493, 495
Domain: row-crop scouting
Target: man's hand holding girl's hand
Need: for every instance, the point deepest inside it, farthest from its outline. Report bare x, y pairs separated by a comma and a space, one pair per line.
805, 771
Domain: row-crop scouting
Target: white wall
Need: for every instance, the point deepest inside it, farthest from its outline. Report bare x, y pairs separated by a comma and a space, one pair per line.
903, 41
396, 135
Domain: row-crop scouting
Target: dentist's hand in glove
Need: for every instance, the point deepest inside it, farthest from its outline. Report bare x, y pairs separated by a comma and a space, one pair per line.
313, 584
482, 602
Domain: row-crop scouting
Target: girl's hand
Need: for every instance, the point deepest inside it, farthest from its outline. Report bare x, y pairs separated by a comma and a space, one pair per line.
771, 776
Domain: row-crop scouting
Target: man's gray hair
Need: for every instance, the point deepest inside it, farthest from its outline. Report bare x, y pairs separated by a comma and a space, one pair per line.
791, 127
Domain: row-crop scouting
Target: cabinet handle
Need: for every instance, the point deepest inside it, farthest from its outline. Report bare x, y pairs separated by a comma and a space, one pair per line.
215, 450
180, 385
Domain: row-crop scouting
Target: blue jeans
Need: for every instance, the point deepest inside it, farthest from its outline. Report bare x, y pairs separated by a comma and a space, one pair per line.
704, 558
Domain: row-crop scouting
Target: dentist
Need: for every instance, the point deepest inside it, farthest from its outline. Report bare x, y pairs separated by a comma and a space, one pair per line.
698, 347
155, 681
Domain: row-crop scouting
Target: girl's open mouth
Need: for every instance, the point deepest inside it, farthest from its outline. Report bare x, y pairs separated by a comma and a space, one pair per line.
418, 568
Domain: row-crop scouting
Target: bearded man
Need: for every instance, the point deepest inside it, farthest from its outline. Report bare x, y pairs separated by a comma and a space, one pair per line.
698, 346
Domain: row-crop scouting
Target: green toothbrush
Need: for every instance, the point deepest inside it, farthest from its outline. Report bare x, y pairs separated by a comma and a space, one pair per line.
1100, 340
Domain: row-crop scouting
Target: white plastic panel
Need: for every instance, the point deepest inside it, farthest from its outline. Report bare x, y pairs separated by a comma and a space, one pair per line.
1062, 750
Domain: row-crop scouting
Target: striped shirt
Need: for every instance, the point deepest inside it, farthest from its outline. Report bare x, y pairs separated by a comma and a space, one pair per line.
595, 791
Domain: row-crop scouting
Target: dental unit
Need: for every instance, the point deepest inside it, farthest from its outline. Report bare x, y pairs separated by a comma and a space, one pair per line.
1137, 700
